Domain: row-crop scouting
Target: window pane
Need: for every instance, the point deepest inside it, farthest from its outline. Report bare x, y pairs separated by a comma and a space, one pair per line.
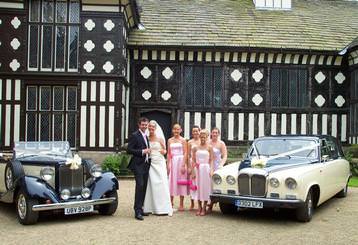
73, 47
47, 11
355, 75
58, 127
45, 98
208, 81
71, 129
284, 87
31, 127
58, 98
293, 88
188, 83
61, 11
275, 87
74, 12
35, 10
218, 86
302, 81
45, 127
46, 47
71, 98
31, 98
60, 47
33, 46
198, 86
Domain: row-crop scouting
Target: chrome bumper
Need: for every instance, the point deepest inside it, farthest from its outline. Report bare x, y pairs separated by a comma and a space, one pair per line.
62, 205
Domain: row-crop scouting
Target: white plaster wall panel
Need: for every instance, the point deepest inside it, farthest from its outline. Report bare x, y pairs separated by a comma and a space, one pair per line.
279, 58
252, 57
17, 89
84, 91
109, 25
135, 54
146, 95
102, 126
190, 56
127, 114
287, 58
123, 94
230, 126
7, 124
172, 55
187, 125
181, 55
241, 126
226, 57
163, 55
218, 117
344, 128
154, 55
15, 44
321, 58
111, 126
208, 121
8, 89
102, 91
90, 24
303, 123
197, 119
293, 123
144, 54
15, 22
93, 90
200, 56
334, 125
14, 65
83, 129
338, 61
296, 59
11, 5
208, 56
283, 123
270, 58
0, 90
324, 123
235, 57
261, 124
314, 124
166, 95
304, 59
122, 128
262, 58
146, 72
112, 90
329, 60
243, 57
251, 126
16, 123
273, 123
109, 46
92, 126
313, 59
108, 67
217, 56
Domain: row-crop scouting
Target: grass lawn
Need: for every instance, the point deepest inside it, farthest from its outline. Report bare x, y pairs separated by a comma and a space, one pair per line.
353, 182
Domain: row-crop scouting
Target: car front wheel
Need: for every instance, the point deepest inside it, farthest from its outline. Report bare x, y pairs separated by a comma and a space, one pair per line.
304, 213
24, 205
226, 208
109, 209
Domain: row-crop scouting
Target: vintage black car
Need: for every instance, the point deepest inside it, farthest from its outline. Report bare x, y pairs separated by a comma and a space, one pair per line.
43, 176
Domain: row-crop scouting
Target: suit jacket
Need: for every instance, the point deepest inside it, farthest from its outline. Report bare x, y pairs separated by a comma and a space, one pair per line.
136, 144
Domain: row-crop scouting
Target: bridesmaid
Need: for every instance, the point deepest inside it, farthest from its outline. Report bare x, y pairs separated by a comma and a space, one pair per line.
176, 166
220, 153
203, 157
192, 143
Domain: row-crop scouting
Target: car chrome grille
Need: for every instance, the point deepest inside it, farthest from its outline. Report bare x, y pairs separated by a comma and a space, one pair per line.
254, 185
71, 179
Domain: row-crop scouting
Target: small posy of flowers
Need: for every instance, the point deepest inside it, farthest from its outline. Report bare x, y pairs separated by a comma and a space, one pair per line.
258, 163
74, 162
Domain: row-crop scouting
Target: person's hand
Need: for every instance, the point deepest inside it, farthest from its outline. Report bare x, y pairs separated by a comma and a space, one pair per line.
211, 173
168, 169
163, 151
147, 151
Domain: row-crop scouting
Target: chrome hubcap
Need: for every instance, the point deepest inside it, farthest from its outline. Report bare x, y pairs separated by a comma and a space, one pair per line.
8, 178
21, 206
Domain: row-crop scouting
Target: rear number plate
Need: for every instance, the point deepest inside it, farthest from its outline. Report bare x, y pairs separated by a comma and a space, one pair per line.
79, 210
249, 204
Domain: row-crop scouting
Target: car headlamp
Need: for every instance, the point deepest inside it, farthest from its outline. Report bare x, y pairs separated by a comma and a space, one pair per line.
96, 171
291, 183
274, 182
65, 194
47, 173
86, 193
230, 180
217, 179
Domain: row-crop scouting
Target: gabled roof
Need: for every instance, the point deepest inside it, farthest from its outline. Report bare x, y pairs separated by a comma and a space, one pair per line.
311, 24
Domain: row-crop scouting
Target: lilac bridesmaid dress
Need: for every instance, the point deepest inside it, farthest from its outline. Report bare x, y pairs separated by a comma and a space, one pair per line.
203, 175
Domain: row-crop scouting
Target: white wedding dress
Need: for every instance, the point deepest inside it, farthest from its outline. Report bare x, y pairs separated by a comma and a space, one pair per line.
157, 198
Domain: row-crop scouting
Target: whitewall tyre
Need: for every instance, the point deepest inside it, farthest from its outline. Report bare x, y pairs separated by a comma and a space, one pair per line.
24, 212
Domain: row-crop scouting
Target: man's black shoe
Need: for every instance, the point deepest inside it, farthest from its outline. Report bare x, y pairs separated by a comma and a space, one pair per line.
139, 217
145, 214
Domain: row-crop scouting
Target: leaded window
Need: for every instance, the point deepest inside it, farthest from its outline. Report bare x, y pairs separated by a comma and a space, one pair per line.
51, 113
354, 104
53, 35
203, 86
289, 88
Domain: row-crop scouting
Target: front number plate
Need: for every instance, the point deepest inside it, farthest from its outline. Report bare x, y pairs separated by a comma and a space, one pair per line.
249, 204
79, 210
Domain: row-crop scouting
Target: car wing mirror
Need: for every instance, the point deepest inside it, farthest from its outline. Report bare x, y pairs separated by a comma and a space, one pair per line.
325, 158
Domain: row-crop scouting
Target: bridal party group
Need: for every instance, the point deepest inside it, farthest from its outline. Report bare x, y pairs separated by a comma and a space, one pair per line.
179, 169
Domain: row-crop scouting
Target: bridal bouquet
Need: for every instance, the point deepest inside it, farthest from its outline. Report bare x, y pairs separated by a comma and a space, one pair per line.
74, 162
258, 163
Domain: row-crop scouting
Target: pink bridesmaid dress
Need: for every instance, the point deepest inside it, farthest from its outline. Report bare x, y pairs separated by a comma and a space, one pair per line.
177, 161
203, 175
194, 182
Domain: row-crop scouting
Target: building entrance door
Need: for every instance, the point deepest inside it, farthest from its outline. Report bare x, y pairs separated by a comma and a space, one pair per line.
163, 119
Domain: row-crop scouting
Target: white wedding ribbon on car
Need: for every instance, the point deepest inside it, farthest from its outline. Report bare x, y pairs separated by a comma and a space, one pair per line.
261, 162
74, 162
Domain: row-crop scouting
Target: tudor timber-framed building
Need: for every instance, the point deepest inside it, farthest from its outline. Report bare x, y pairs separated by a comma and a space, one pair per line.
83, 71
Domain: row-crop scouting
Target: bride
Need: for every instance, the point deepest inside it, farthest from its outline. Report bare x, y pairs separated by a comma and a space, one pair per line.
157, 198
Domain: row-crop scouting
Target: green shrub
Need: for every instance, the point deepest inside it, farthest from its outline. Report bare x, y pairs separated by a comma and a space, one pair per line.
117, 163
349, 156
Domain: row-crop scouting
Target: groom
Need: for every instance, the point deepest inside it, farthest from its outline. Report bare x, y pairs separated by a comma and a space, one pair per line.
138, 146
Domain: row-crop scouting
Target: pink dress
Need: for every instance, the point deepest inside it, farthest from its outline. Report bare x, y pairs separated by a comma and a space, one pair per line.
203, 175
193, 192
217, 158
177, 161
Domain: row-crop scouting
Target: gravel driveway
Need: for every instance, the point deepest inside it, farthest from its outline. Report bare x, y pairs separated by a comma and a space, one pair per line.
335, 222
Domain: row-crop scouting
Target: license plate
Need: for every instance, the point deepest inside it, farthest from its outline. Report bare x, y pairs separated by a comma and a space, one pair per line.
79, 210
249, 204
